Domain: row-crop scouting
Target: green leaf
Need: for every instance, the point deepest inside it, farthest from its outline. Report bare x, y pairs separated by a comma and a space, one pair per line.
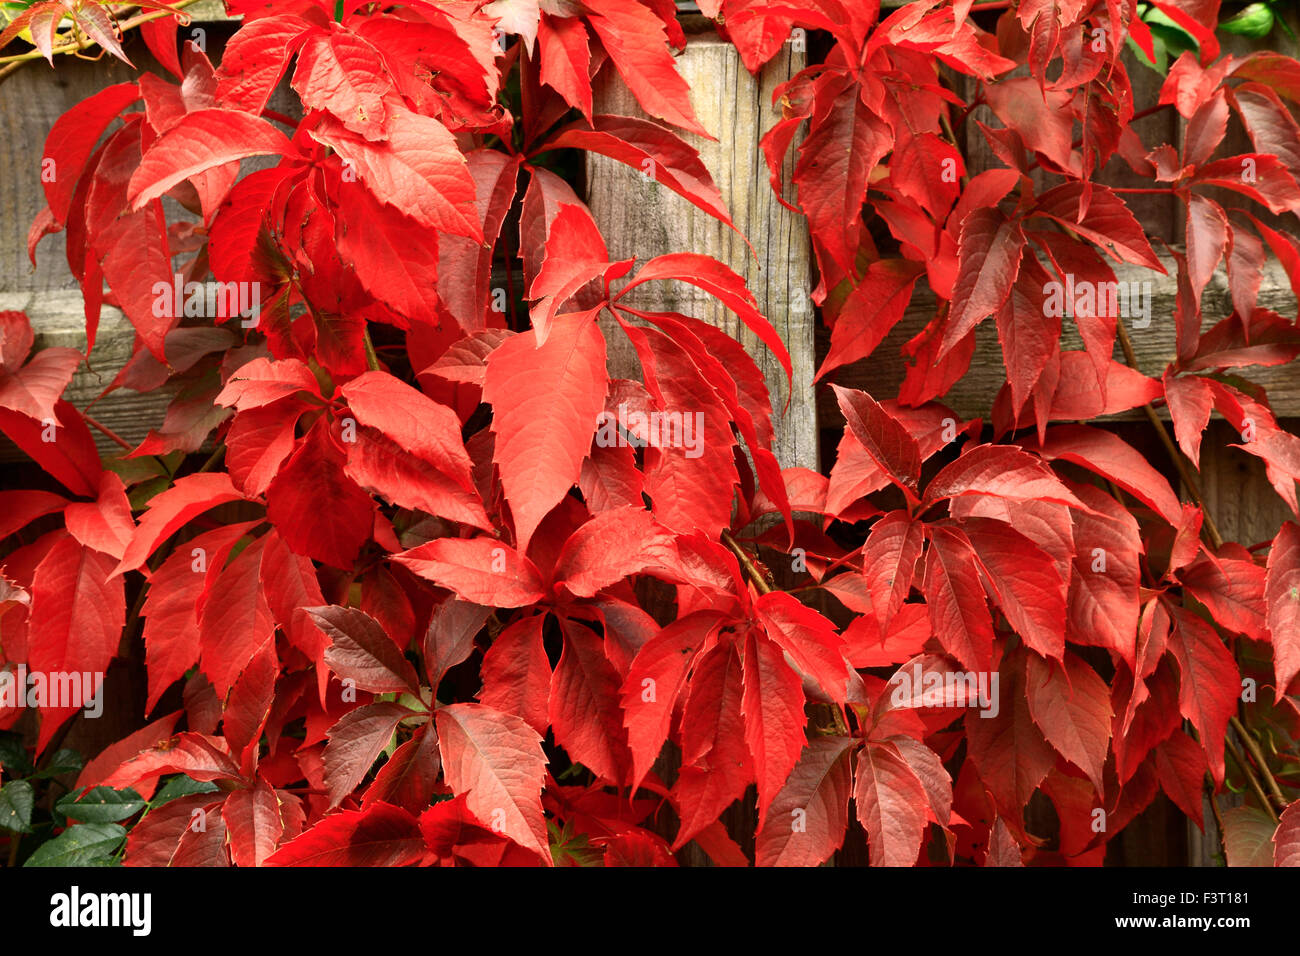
16, 801
180, 786
86, 844
63, 761
1248, 837
100, 805
1255, 20
13, 755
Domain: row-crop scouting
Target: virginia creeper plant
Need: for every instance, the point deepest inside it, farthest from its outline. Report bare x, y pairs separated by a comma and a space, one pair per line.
416, 582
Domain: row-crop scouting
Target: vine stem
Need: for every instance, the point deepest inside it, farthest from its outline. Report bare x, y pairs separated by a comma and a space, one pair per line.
1257, 755
1251, 778
755, 575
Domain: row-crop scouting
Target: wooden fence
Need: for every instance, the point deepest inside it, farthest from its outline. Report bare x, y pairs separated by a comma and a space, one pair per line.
641, 218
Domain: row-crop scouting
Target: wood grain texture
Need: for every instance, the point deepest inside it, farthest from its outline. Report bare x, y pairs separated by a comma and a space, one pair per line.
643, 219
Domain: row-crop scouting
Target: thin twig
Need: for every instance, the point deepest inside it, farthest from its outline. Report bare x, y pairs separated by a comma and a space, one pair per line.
108, 432
1257, 755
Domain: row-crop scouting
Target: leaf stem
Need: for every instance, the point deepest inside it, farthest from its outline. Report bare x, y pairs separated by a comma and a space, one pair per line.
106, 431
214, 458
372, 357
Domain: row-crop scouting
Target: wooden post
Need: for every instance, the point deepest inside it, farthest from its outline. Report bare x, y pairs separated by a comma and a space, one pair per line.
641, 218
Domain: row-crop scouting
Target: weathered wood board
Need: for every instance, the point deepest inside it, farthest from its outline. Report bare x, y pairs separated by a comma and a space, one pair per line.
642, 218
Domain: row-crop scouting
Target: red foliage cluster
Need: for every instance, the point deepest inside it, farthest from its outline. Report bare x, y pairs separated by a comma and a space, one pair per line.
459, 549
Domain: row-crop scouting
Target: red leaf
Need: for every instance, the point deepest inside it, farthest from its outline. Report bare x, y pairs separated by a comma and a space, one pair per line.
379, 835
612, 546
886, 440
255, 58
988, 261
724, 284
253, 822
61, 446
635, 40
1030, 333
810, 640
173, 509
1025, 582
889, 563
1208, 685
1108, 222
78, 610
1286, 841
465, 265
449, 639
872, 309
809, 817
1071, 705
516, 673
202, 140
959, 614
315, 474
1207, 237
651, 149
481, 570
891, 805
410, 775
835, 163
1105, 576
105, 524
355, 743
417, 169
72, 140
1180, 767
1108, 455
235, 623
1007, 748
566, 59
585, 713
655, 681
1232, 588
35, 388
714, 738
1282, 599
340, 72
496, 760
545, 401
1190, 402
774, 717
171, 626
360, 650
195, 755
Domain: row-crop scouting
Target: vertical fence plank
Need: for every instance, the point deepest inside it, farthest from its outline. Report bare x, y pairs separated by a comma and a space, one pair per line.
642, 218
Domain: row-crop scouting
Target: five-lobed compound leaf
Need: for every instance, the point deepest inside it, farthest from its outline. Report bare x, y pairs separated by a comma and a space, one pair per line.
496, 761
